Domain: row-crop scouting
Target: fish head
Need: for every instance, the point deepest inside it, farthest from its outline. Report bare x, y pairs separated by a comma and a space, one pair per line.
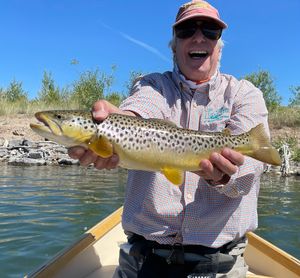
69, 128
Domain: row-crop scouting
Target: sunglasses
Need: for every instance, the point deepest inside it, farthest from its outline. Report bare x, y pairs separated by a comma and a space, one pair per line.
187, 29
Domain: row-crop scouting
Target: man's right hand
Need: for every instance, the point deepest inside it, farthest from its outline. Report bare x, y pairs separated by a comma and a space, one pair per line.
101, 109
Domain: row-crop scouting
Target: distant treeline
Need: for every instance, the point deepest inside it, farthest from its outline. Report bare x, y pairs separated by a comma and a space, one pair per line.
81, 94
93, 85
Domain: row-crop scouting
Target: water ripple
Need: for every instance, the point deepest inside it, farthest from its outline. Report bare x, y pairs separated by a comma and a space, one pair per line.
44, 209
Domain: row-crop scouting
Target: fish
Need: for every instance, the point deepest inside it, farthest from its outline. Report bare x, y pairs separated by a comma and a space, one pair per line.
150, 144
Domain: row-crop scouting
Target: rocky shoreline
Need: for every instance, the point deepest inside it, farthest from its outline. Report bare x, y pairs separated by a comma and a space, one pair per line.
23, 152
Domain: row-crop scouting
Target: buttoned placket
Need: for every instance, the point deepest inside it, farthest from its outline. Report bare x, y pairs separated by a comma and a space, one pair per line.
198, 103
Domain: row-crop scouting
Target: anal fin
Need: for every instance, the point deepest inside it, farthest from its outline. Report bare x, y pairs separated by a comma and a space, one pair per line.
174, 175
101, 146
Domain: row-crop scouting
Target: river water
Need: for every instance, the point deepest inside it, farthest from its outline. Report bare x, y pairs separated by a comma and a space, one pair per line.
44, 209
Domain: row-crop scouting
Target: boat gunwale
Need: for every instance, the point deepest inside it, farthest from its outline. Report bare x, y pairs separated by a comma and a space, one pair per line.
278, 255
50, 268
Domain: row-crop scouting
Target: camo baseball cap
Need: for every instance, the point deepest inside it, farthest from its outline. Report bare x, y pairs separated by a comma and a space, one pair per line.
198, 9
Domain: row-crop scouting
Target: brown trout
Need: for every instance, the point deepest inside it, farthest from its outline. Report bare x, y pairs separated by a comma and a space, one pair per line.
150, 144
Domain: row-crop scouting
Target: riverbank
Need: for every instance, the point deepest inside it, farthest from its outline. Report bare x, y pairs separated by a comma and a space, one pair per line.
19, 145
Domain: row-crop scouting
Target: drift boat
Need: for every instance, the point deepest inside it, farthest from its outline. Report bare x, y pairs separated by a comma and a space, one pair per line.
96, 254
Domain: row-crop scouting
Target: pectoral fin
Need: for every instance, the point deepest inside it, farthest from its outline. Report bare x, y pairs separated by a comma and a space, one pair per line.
101, 146
175, 176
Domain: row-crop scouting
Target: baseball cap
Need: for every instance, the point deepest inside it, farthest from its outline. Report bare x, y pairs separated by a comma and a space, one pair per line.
198, 9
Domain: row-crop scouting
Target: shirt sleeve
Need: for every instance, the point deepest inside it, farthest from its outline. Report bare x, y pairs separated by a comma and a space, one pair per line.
248, 111
147, 98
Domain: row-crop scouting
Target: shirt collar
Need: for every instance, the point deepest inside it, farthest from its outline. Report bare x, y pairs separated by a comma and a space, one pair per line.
192, 87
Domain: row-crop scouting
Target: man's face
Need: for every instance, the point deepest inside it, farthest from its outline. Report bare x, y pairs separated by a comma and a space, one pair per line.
197, 56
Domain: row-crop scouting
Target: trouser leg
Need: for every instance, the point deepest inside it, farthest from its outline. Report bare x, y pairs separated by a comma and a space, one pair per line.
240, 268
128, 266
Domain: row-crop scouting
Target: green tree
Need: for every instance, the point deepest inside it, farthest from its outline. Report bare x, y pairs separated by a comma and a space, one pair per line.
15, 92
2, 94
295, 100
115, 98
133, 77
264, 81
91, 87
49, 92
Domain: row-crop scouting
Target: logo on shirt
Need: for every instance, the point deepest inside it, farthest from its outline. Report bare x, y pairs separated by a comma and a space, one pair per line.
220, 114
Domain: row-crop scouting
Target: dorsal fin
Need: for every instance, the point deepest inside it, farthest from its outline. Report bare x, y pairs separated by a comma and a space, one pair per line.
163, 122
226, 131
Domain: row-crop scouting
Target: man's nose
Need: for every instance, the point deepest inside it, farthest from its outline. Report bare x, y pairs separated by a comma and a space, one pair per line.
198, 36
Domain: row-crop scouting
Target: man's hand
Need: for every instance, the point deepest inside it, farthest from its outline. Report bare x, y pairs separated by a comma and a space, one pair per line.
101, 109
220, 167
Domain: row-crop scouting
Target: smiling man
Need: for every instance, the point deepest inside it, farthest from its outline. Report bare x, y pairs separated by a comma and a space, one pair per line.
196, 42
197, 229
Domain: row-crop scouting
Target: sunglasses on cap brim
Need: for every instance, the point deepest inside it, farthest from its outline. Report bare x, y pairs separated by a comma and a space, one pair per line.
188, 28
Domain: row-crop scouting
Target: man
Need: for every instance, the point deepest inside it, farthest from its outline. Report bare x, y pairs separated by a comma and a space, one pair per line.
198, 228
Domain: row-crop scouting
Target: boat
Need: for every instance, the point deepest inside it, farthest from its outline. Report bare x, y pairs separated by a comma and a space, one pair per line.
96, 254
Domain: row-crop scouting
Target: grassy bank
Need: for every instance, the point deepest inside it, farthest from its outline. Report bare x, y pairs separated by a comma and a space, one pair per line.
284, 116
8, 108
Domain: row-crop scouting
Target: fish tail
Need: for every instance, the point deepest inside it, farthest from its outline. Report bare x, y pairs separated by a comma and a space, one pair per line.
261, 146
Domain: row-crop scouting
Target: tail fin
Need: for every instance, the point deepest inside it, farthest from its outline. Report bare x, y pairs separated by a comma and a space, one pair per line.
261, 147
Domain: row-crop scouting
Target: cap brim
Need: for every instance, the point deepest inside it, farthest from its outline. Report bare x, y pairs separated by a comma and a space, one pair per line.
220, 22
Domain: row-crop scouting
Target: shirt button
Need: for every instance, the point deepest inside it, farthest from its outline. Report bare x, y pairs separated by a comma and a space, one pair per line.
189, 196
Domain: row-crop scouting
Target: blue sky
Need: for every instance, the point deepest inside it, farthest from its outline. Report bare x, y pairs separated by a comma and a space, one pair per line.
39, 35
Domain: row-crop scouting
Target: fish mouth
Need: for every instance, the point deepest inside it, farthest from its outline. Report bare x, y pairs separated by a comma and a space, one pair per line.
49, 125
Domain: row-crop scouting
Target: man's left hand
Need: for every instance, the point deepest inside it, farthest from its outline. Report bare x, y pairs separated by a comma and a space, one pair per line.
220, 166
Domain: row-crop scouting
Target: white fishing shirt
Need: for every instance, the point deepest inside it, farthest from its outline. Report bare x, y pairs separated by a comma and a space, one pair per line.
195, 212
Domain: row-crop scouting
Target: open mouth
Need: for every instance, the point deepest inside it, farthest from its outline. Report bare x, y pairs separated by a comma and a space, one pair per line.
195, 54
49, 126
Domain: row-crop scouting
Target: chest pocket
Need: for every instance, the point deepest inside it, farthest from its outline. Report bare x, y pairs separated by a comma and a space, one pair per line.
214, 120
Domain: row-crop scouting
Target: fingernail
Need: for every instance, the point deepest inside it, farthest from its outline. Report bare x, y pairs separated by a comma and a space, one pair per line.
96, 114
226, 151
215, 156
99, 114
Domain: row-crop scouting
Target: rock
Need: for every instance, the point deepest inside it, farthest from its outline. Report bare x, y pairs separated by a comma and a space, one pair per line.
17, 133
61, 150
21, 161
3, 152
35, 155
28, 143
3, 142
15, 143
68, 161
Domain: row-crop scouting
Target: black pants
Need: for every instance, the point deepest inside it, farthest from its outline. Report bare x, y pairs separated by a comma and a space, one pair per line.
155, 266
144, 262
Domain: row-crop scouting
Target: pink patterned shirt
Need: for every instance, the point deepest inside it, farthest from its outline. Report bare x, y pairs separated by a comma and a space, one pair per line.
196, 212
